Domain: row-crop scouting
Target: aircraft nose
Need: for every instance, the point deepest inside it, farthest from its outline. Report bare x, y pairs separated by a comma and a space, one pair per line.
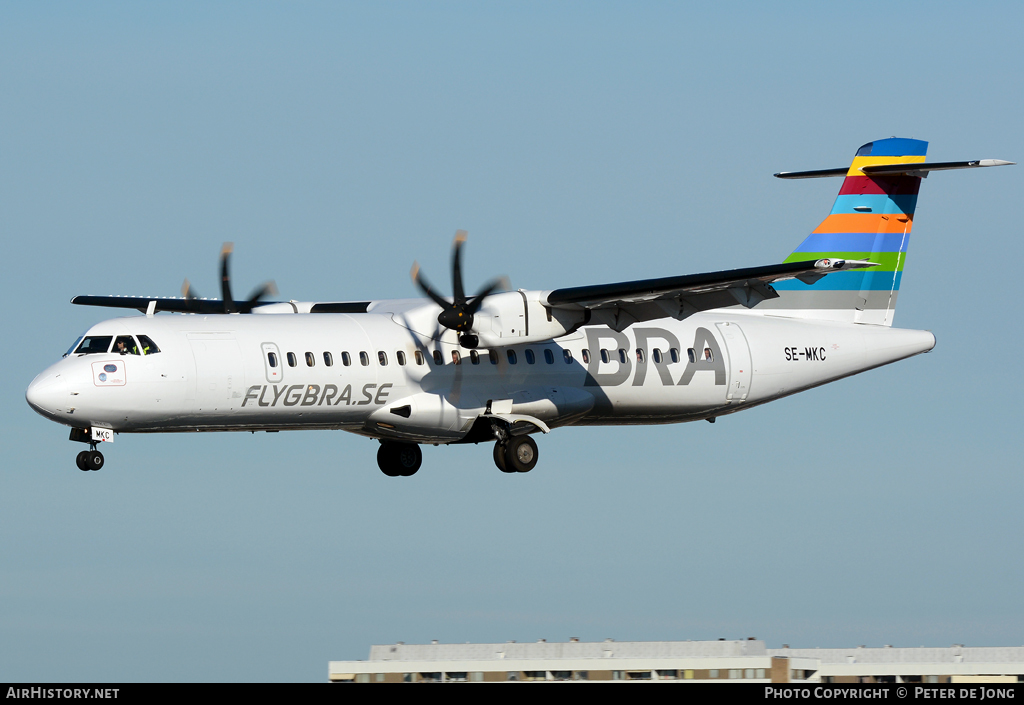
48, 394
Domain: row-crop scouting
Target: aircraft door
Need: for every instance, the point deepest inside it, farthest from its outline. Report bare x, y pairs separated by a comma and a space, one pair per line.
739, 364
272, 362
220, 373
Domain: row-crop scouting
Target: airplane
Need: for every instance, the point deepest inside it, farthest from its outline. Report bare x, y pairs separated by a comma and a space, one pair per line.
501, 366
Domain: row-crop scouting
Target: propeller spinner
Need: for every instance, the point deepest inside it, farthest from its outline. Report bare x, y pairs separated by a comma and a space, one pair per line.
230, 305
457, 314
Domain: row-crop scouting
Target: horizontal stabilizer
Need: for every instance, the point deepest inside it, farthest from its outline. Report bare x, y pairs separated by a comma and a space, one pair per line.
880, 169
816, 174
886, 169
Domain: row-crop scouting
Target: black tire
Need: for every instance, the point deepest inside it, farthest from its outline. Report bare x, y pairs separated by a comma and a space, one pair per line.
95, 460
520, 454
387, 460
82, 461
499, 458
408, 458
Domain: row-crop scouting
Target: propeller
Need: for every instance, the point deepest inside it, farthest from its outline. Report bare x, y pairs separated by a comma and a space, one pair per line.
457, 314
230, 305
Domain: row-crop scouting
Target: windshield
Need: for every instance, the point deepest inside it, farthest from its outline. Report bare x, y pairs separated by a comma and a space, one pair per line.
148, 346
94, 344
125, 345
73, 346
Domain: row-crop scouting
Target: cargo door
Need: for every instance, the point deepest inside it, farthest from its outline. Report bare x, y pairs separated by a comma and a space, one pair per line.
738, 364
220, 374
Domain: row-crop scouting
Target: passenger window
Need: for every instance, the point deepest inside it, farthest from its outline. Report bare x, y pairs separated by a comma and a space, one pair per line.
148, 346
691, 355
604, 355
364, 359
674, 354
656, 354
622, 356
511, 357
400, 356
310, 360
474, 357
586, 356
328, 359
640, 355
382, 358
493, 355
125, 345
346, 359
567, 356
291, 360
419, 357
529, 357
95, 344
708, 355
456, 358
272, 359
438, 360
549, 357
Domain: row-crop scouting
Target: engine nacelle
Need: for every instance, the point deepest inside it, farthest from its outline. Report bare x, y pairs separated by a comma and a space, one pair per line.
517, 317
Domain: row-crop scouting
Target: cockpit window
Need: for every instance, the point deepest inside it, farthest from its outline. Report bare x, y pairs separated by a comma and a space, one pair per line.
73, 346
125, 345
95, 344
148, 346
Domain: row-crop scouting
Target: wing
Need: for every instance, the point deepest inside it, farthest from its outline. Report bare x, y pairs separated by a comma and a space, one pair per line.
162, 303
192, 305
648, 299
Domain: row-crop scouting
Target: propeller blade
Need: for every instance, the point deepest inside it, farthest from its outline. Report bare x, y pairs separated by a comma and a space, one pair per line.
225, 278
457, 315
187, 291
474, 304
421, 282
254, 298
458, 292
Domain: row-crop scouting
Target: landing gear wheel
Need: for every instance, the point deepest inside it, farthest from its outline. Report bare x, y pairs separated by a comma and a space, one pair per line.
409, 457
499, 458
399, 459
386, 460
82, 461
94, 461
520, 454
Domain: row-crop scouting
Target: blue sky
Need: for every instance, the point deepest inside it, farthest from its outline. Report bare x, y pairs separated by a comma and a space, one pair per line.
578, 143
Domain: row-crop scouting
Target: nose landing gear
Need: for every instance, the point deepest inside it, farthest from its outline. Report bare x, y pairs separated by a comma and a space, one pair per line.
89, 460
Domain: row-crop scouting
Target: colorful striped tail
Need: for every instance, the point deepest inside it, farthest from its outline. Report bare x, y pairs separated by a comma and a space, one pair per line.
871, 220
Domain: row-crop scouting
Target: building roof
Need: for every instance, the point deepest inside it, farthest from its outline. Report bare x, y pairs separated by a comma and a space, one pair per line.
567, 650
889, 654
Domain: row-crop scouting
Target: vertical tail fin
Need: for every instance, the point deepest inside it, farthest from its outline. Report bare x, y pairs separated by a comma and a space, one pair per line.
871, 220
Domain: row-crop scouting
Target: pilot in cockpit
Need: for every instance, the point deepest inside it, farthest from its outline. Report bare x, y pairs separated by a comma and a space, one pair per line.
125, 345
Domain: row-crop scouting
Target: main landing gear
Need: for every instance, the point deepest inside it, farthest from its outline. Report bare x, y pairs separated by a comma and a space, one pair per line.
399, 459
89, 460
517, 454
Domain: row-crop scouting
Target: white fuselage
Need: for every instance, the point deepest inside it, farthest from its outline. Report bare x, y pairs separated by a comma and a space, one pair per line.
215, 372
